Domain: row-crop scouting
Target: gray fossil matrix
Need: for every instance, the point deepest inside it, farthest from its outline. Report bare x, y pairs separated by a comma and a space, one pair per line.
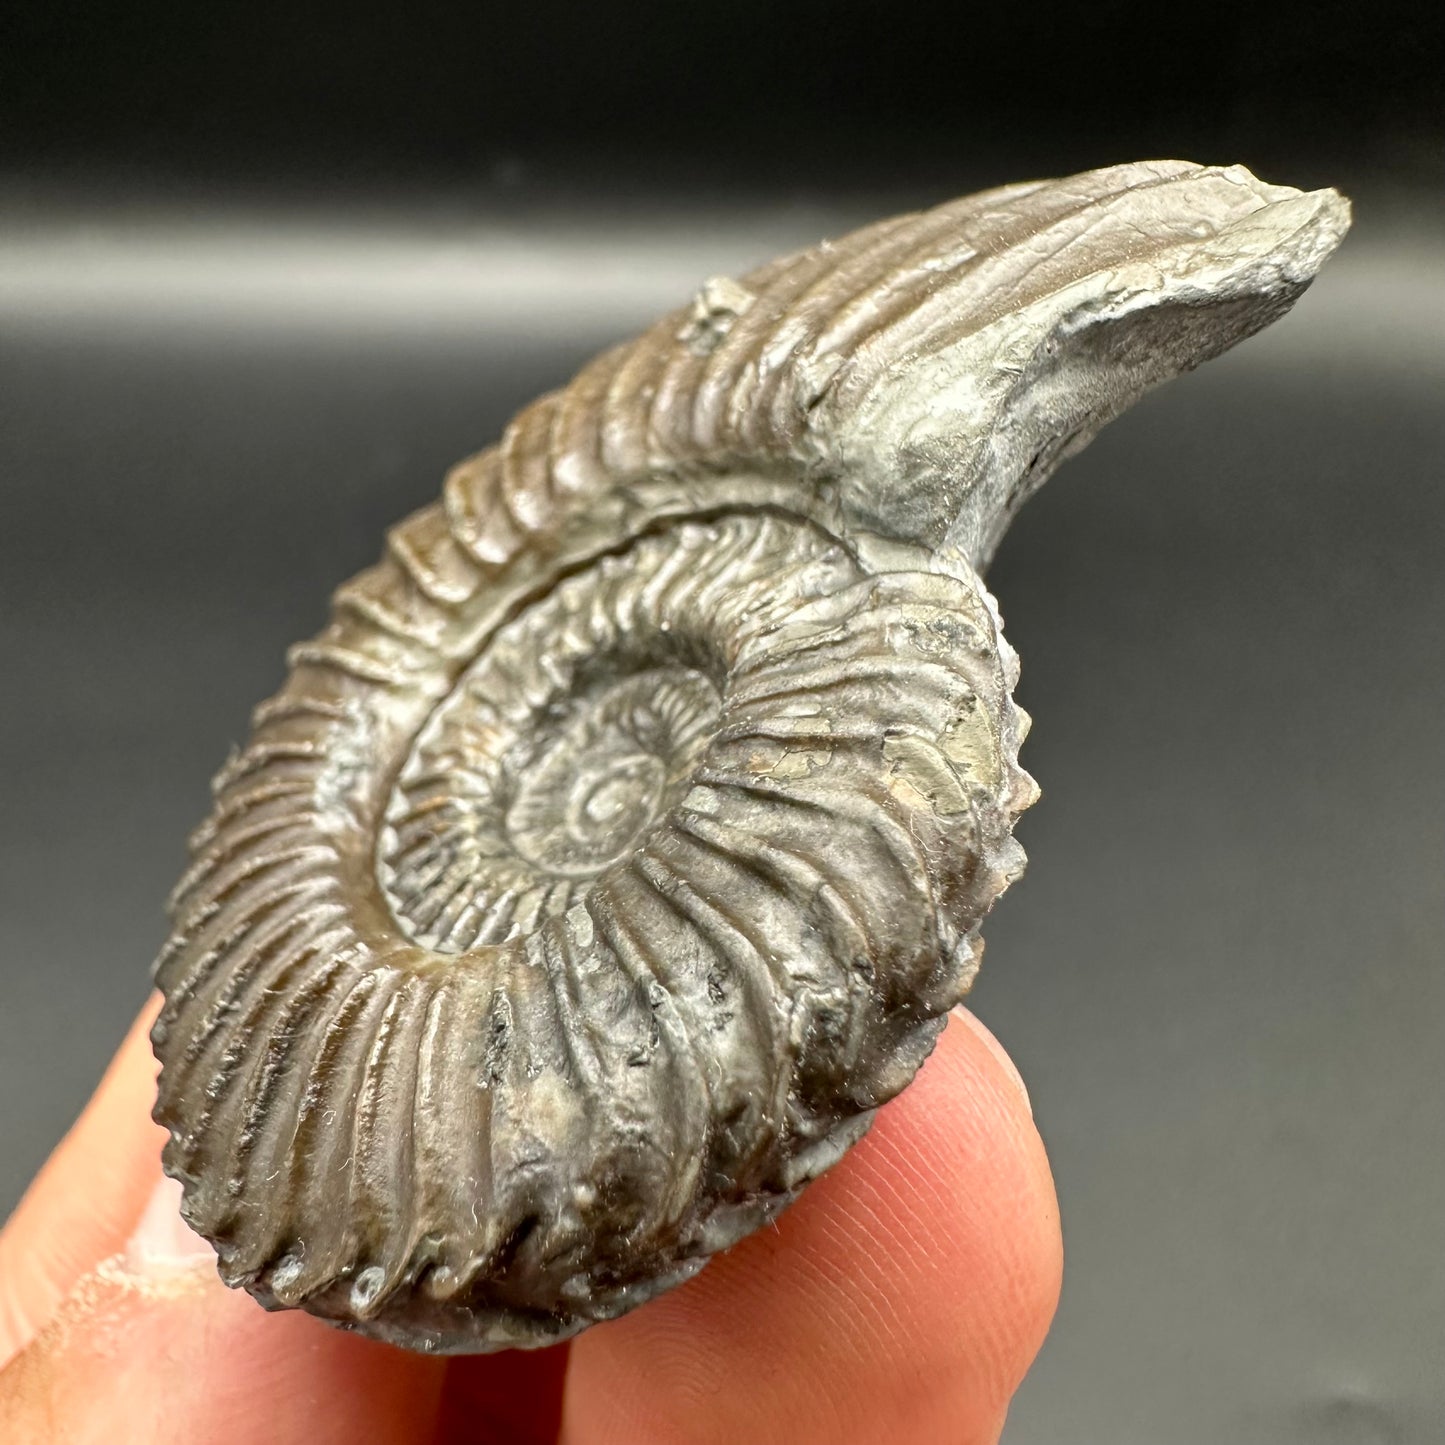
624, 839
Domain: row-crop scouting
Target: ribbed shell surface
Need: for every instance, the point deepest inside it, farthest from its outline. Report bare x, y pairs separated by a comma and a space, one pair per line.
623, 841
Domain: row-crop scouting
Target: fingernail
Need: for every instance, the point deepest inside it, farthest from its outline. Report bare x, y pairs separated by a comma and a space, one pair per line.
972, 1020
163, 1242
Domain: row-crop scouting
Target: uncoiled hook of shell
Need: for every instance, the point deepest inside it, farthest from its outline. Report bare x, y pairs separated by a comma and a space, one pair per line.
623, 841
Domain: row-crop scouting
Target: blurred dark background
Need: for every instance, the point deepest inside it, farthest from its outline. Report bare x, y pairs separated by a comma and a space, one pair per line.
749, 94
266, 270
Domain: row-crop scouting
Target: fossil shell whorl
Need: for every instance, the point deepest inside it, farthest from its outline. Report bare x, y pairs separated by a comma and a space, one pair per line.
622, 842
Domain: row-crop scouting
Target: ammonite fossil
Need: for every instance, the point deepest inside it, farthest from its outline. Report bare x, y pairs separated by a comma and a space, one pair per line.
621, 844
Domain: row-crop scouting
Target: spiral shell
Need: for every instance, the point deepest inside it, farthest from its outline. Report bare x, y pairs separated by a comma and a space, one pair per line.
621, 844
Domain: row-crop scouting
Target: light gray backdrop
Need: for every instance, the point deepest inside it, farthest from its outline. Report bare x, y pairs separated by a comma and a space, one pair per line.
1222, 976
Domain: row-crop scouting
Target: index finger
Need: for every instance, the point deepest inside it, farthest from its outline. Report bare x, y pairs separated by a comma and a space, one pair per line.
900, 1300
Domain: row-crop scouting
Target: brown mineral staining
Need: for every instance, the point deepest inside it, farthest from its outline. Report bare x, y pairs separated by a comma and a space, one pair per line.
624, 840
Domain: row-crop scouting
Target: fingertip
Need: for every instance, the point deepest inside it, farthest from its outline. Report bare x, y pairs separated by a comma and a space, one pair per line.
901, 1299
162, 1242
84, 1202
111, 1311
176, 1356
976, 1025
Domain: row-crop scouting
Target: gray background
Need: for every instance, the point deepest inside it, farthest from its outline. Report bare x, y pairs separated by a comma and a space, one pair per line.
266, 272
1222, 973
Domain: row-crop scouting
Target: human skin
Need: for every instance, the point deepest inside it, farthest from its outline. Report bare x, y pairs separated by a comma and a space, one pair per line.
900, 1300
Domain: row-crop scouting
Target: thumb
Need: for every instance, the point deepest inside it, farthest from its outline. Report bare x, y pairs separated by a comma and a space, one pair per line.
85, 1201
115, 1317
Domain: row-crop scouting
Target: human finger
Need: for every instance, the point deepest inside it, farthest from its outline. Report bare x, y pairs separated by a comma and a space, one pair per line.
124, 1323
900, 1300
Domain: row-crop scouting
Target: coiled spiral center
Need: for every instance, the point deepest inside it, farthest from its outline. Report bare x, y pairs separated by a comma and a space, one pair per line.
614, 762
580, 726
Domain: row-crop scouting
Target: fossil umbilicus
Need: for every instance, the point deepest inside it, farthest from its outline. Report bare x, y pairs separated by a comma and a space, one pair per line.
623, 841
